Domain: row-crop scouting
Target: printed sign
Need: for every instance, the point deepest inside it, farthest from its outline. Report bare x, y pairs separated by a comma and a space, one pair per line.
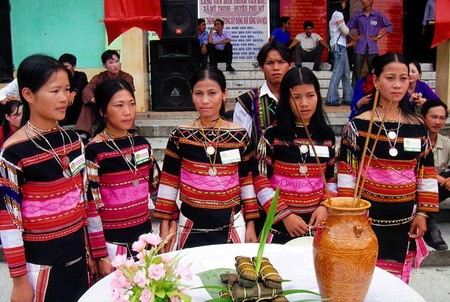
246, 20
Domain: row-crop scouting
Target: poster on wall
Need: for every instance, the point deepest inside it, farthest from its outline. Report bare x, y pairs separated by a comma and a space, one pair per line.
246, 20
306, 10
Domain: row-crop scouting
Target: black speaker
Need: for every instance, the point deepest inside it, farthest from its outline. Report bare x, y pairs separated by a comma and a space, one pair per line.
173, 62
180, 18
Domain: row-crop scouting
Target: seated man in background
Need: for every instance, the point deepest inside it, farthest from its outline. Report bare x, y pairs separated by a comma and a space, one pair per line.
111, 62
308, 46
282, 33
202, 36
434, 113
219, 46
77, 83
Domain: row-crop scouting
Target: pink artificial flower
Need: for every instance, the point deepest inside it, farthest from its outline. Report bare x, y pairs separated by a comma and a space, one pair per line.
130, 263
138, 246
140, 279
119, 260
146, 296
118, 295
156, 271
166, 258
150, 238
140, 256
120, 280
184, 272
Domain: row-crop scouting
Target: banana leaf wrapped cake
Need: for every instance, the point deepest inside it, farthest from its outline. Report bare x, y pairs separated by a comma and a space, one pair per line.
248, 285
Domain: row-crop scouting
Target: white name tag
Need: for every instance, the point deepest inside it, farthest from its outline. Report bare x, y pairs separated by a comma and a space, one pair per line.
141, 156
373, 23
230, 156
412, 144
77, 164
321, 151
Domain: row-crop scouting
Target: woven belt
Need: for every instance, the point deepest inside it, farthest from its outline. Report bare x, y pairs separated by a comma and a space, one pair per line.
383, 223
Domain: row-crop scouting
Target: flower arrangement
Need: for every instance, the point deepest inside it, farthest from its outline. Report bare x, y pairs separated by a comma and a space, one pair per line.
151, 277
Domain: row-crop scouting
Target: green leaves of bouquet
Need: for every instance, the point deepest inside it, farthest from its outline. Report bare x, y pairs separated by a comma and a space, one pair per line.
211, 278
152, 277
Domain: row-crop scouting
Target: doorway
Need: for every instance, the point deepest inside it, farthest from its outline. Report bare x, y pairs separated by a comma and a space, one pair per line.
416, 46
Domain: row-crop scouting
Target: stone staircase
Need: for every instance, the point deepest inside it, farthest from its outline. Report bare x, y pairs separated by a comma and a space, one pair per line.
248, 75
157, 126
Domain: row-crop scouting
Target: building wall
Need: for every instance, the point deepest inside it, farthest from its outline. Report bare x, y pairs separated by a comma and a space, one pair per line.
54, 27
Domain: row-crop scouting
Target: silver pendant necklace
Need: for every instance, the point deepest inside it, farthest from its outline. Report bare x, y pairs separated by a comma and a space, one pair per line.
128, 158
210, 150
391, 135
212, 171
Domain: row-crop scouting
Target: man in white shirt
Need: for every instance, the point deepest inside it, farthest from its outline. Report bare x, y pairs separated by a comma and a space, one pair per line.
434, 114
308, 46
8, 92
219, 46
255, 109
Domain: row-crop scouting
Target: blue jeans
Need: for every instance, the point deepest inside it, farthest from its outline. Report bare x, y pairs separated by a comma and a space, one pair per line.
341, 71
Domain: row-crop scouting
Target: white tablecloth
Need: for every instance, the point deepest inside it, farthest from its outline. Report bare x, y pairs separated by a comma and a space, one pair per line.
294, 263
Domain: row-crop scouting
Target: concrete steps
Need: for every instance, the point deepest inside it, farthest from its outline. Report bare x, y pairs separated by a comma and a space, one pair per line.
248, 75
157, 126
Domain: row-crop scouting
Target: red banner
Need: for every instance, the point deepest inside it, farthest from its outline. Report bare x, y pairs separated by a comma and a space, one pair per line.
442, 22
121, 15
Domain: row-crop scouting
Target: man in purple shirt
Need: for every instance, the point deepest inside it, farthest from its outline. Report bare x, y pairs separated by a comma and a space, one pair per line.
371, 26
219, 46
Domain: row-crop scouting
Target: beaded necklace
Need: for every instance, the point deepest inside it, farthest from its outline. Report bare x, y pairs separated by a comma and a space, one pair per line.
210, 146
128, 157
391, 135
63, 159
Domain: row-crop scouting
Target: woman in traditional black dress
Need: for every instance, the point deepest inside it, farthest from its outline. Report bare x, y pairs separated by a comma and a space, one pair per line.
208, 163
287, 158
43, 214
400, 179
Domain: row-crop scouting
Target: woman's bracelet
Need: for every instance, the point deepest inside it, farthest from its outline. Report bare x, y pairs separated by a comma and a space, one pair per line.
422, 214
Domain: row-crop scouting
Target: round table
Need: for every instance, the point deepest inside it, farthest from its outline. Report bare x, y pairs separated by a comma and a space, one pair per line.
293, 262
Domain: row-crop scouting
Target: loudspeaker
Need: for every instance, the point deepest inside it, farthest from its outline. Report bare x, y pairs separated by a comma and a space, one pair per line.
180, 18
173, 62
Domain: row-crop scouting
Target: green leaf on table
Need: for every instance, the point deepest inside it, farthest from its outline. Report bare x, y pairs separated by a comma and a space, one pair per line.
266, 229
212, 282
304, 291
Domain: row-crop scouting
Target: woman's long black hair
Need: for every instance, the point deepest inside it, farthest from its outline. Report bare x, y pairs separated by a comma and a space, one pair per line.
378, 66
318, 125
103, 94
10, 108
212, 74
34, 71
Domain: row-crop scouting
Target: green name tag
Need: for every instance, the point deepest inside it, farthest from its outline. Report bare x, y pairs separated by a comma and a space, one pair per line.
230, 156
322, 151
77, 164
412, 144
141, 156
